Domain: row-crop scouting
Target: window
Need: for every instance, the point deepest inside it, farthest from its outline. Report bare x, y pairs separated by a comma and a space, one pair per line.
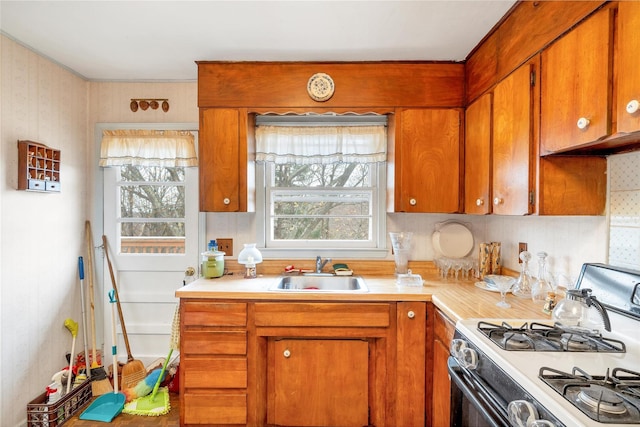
152, 209
321, 185
149, 190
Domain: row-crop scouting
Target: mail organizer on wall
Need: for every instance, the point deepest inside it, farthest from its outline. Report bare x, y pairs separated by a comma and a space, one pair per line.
38, 167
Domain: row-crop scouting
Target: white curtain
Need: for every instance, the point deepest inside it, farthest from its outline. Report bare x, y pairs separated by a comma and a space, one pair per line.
321, 144
166, 148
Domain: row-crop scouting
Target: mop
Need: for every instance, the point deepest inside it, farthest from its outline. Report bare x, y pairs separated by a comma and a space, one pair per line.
157, 403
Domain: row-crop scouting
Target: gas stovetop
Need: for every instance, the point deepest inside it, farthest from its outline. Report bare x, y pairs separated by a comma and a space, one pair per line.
527, 351
611, 398
536, 336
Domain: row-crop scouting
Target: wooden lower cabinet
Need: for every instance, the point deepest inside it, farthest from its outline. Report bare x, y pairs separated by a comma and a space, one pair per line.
319, 382
441, 389
213, 363
303, 363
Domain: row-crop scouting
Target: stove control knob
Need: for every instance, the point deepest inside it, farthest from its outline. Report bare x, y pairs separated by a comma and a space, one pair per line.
522, 413
468, 358
455, 347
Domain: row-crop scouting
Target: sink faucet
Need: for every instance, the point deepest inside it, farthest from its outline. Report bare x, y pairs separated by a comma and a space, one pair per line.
320, 264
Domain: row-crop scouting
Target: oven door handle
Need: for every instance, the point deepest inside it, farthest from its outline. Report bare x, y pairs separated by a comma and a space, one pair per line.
472, 388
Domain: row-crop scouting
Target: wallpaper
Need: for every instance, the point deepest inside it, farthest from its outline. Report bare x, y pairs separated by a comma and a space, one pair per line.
624, 210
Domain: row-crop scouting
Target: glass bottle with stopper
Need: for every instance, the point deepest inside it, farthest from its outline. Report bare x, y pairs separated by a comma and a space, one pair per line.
522, 287
543, 284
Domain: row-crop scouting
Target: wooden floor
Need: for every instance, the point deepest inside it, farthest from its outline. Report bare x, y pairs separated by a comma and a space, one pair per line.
172, 419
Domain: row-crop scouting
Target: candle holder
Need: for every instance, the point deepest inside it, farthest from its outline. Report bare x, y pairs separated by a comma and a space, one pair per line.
250, 256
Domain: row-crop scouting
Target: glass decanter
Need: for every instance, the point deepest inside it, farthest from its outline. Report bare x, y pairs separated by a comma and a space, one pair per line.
543, 284
522, 287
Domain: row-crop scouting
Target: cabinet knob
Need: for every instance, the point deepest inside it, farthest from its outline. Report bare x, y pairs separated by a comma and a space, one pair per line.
413, 202
583, 123
226, 201
633, 106
497, 201
411, 314
479, 202
286, 353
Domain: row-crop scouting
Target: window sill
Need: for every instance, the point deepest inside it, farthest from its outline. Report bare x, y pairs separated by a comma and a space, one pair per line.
335, 253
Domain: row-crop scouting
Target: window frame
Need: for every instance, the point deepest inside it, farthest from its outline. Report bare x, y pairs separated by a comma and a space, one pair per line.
311, 248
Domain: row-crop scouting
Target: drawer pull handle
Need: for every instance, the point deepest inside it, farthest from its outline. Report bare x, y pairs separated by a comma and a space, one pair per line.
287, 353
633, 106
411, 314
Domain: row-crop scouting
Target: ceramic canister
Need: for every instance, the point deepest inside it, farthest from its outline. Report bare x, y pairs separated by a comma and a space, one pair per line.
212, 264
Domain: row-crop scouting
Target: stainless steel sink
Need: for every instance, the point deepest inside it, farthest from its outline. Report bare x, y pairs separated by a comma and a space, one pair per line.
317, 283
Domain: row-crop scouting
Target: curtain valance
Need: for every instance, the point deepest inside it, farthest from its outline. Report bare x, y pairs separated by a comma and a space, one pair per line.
137, 147
321, 144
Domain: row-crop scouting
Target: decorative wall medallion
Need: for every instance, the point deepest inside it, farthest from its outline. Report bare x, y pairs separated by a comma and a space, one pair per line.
320, 87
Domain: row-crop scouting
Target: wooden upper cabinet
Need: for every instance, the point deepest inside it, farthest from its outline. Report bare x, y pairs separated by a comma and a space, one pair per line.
477, 156
427, 160
513, 148
628, 75
576, 83
222, 146
500, 147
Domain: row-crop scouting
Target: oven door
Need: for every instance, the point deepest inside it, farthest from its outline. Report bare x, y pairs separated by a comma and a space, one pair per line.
472, 403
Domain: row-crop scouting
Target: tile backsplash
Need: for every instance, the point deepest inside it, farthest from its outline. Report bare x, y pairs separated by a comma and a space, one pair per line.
624, 210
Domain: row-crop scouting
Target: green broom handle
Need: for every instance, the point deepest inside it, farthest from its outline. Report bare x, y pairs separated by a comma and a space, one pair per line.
164, 368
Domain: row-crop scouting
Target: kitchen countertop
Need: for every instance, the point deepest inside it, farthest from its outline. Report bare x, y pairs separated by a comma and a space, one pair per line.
457, 299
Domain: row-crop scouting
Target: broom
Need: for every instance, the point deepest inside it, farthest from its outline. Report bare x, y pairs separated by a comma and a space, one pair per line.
157, 403
99, 382
134, 370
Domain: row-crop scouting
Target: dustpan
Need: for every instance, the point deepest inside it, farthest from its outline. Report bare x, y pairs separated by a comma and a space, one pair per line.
157, 403
107, 406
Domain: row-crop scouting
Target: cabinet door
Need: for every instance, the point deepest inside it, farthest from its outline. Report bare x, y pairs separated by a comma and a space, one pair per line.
320, 383
576, 86
512, 152
223, 168
477, 157
628, 84
428, 161
444, 329
411, 338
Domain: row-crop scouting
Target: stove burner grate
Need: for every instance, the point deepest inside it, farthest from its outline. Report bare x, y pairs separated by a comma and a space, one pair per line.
542, 337
611, 398
602, 399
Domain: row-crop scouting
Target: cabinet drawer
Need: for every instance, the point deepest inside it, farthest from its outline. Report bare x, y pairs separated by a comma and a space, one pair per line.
443, 328
215, 373
52, 186
214, 342
213, 408
322, 314
214, 314
37, 184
